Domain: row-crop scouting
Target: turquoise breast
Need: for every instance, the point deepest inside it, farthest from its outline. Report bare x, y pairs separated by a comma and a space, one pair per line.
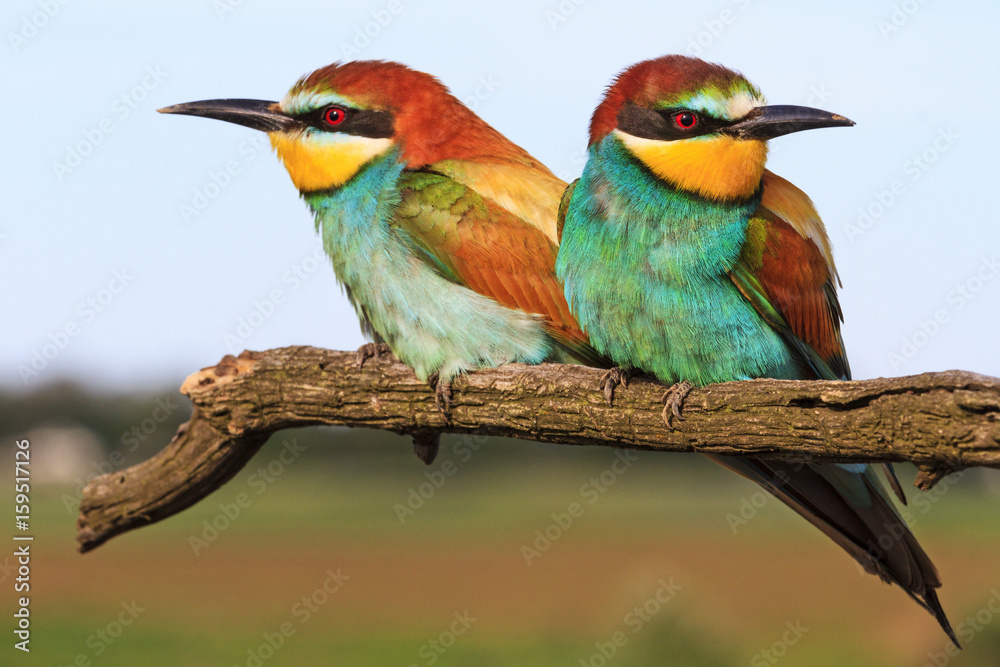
431, 323
646, 274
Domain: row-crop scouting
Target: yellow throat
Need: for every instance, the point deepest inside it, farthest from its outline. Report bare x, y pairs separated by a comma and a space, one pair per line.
316, 164
717, 167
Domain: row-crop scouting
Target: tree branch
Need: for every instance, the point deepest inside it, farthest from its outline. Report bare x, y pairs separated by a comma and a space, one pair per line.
939, 421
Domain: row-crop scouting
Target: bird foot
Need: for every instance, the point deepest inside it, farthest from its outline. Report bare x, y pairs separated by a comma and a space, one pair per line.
442, 393
426, 444
615, 377
369, 350
673, 402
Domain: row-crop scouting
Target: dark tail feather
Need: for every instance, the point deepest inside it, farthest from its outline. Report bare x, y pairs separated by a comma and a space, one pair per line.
853, 510
934, 607
894, 484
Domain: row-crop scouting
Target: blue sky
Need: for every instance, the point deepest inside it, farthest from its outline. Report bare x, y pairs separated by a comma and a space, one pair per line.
136, 248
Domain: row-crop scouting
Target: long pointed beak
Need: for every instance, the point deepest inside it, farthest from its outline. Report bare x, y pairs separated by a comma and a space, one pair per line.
774, 121
257, 114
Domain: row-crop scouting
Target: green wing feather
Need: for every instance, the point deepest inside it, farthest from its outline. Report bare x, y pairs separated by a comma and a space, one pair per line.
786, 279
476, 243
563, 208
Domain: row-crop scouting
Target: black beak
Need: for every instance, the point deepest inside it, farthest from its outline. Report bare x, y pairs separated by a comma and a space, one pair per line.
258, 114
773, 121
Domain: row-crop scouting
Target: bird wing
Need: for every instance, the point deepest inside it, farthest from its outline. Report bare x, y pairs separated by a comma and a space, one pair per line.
786, 271
564, 208
475, 242
529, 191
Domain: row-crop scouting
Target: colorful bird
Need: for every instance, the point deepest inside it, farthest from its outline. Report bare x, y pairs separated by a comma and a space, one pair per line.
684, 257
441, 230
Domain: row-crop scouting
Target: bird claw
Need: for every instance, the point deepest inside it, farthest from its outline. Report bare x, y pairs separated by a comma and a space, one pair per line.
614, 377
673, 401
442, 393
369, 350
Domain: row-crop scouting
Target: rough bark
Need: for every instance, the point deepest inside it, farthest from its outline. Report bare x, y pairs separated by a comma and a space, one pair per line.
940, 421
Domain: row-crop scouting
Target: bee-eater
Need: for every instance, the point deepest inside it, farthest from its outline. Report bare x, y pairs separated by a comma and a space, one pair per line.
441, 230
684, 257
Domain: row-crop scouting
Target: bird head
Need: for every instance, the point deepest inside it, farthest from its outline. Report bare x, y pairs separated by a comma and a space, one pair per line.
341, 117
698, 126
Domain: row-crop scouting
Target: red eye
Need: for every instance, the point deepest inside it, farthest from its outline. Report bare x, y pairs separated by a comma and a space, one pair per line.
685, 120
334, 116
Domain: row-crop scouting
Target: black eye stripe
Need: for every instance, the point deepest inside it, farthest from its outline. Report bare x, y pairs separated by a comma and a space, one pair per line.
703, 122
660, 124
359, 122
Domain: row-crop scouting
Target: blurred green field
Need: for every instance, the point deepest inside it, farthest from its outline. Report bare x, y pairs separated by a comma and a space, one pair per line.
235, 596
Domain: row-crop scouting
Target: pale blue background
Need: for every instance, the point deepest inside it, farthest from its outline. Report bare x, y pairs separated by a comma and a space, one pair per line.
192, 281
